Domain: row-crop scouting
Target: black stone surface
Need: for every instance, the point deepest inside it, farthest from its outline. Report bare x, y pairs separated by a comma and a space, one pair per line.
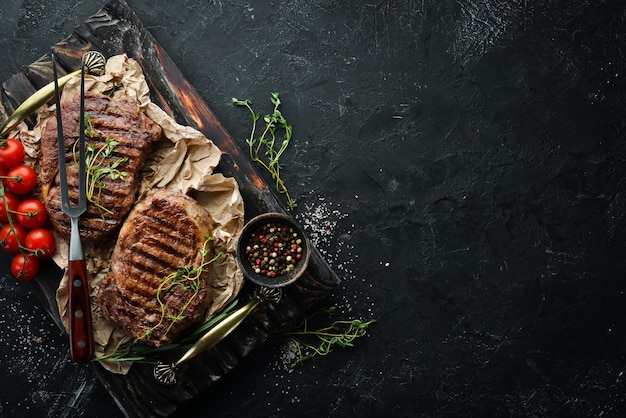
459, 163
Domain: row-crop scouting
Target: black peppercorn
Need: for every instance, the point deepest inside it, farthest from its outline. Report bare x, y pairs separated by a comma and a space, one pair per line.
274, 249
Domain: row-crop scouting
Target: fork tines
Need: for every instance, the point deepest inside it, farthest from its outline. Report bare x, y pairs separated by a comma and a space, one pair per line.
80, 207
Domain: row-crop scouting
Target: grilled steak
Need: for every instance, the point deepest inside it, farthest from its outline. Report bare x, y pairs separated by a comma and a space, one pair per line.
149, 292
107, 120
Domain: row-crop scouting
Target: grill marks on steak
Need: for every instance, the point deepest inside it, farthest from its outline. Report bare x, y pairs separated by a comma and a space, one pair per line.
120, 120
163, 233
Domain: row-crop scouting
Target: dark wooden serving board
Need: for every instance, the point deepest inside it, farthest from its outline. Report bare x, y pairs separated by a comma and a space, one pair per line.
113, 30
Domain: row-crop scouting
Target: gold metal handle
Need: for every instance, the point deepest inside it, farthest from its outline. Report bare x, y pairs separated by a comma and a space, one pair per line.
219, 332
166, 373
94, 64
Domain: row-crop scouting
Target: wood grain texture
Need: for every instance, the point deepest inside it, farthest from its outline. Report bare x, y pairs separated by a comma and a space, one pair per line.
79, 313
113, 30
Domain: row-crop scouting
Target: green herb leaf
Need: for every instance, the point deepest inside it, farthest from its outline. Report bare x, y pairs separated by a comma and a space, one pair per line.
98, 165
305, 344
266, 141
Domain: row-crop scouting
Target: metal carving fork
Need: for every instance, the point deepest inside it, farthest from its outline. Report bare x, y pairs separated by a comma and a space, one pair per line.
79, 308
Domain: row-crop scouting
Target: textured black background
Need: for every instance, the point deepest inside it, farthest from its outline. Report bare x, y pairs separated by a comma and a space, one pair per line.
459, 163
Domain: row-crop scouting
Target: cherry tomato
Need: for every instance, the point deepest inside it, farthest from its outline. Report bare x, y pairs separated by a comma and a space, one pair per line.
22, 179
12, 202
10, 239
11, 153
24, 267
41, 242
31, 213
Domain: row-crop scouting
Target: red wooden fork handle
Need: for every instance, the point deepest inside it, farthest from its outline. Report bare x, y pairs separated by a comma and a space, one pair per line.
79, 313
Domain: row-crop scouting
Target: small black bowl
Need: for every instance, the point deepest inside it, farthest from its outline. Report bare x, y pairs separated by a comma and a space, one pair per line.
254, 226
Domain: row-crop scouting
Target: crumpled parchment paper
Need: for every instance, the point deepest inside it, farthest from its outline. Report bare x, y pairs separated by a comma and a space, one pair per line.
182, 160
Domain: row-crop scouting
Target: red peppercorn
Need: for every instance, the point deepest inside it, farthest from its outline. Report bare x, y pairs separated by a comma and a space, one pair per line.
275, 245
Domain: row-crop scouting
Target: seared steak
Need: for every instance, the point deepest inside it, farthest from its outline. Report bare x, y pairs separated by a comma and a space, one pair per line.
107, 119
149, 292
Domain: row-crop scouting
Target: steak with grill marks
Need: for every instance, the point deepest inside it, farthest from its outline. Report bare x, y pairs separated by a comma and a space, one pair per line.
120, 120
163, 235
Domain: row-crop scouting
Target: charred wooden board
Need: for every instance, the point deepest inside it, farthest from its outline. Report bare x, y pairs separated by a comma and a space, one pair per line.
113, 30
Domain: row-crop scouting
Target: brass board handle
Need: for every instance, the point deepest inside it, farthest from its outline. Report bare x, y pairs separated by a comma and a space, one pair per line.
94, 64
166, 373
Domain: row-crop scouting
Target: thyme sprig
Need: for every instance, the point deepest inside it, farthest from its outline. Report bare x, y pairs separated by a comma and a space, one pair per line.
99, 165
268, 141
305, 343
140, 352
188, 278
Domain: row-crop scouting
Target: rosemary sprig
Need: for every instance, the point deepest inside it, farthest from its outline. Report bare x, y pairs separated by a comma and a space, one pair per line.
139, 352
269, 142
305, 343
189, 279
98, 165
